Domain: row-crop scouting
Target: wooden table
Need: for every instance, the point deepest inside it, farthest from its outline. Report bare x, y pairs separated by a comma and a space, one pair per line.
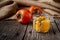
12, 30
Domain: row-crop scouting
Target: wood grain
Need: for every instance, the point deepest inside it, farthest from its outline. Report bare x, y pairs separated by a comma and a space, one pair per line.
11, 30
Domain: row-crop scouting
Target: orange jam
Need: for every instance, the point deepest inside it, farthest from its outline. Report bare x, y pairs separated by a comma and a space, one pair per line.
41, 24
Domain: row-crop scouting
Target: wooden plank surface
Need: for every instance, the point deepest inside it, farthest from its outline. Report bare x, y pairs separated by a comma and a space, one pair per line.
11, 30
57, 35
57, 21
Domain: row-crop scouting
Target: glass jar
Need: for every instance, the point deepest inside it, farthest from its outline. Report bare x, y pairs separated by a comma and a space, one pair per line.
41, 24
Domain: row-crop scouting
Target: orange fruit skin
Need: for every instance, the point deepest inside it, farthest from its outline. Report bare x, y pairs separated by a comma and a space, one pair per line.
32, 8
26, 16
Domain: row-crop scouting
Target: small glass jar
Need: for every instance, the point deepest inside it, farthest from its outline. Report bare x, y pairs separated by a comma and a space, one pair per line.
41, 24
